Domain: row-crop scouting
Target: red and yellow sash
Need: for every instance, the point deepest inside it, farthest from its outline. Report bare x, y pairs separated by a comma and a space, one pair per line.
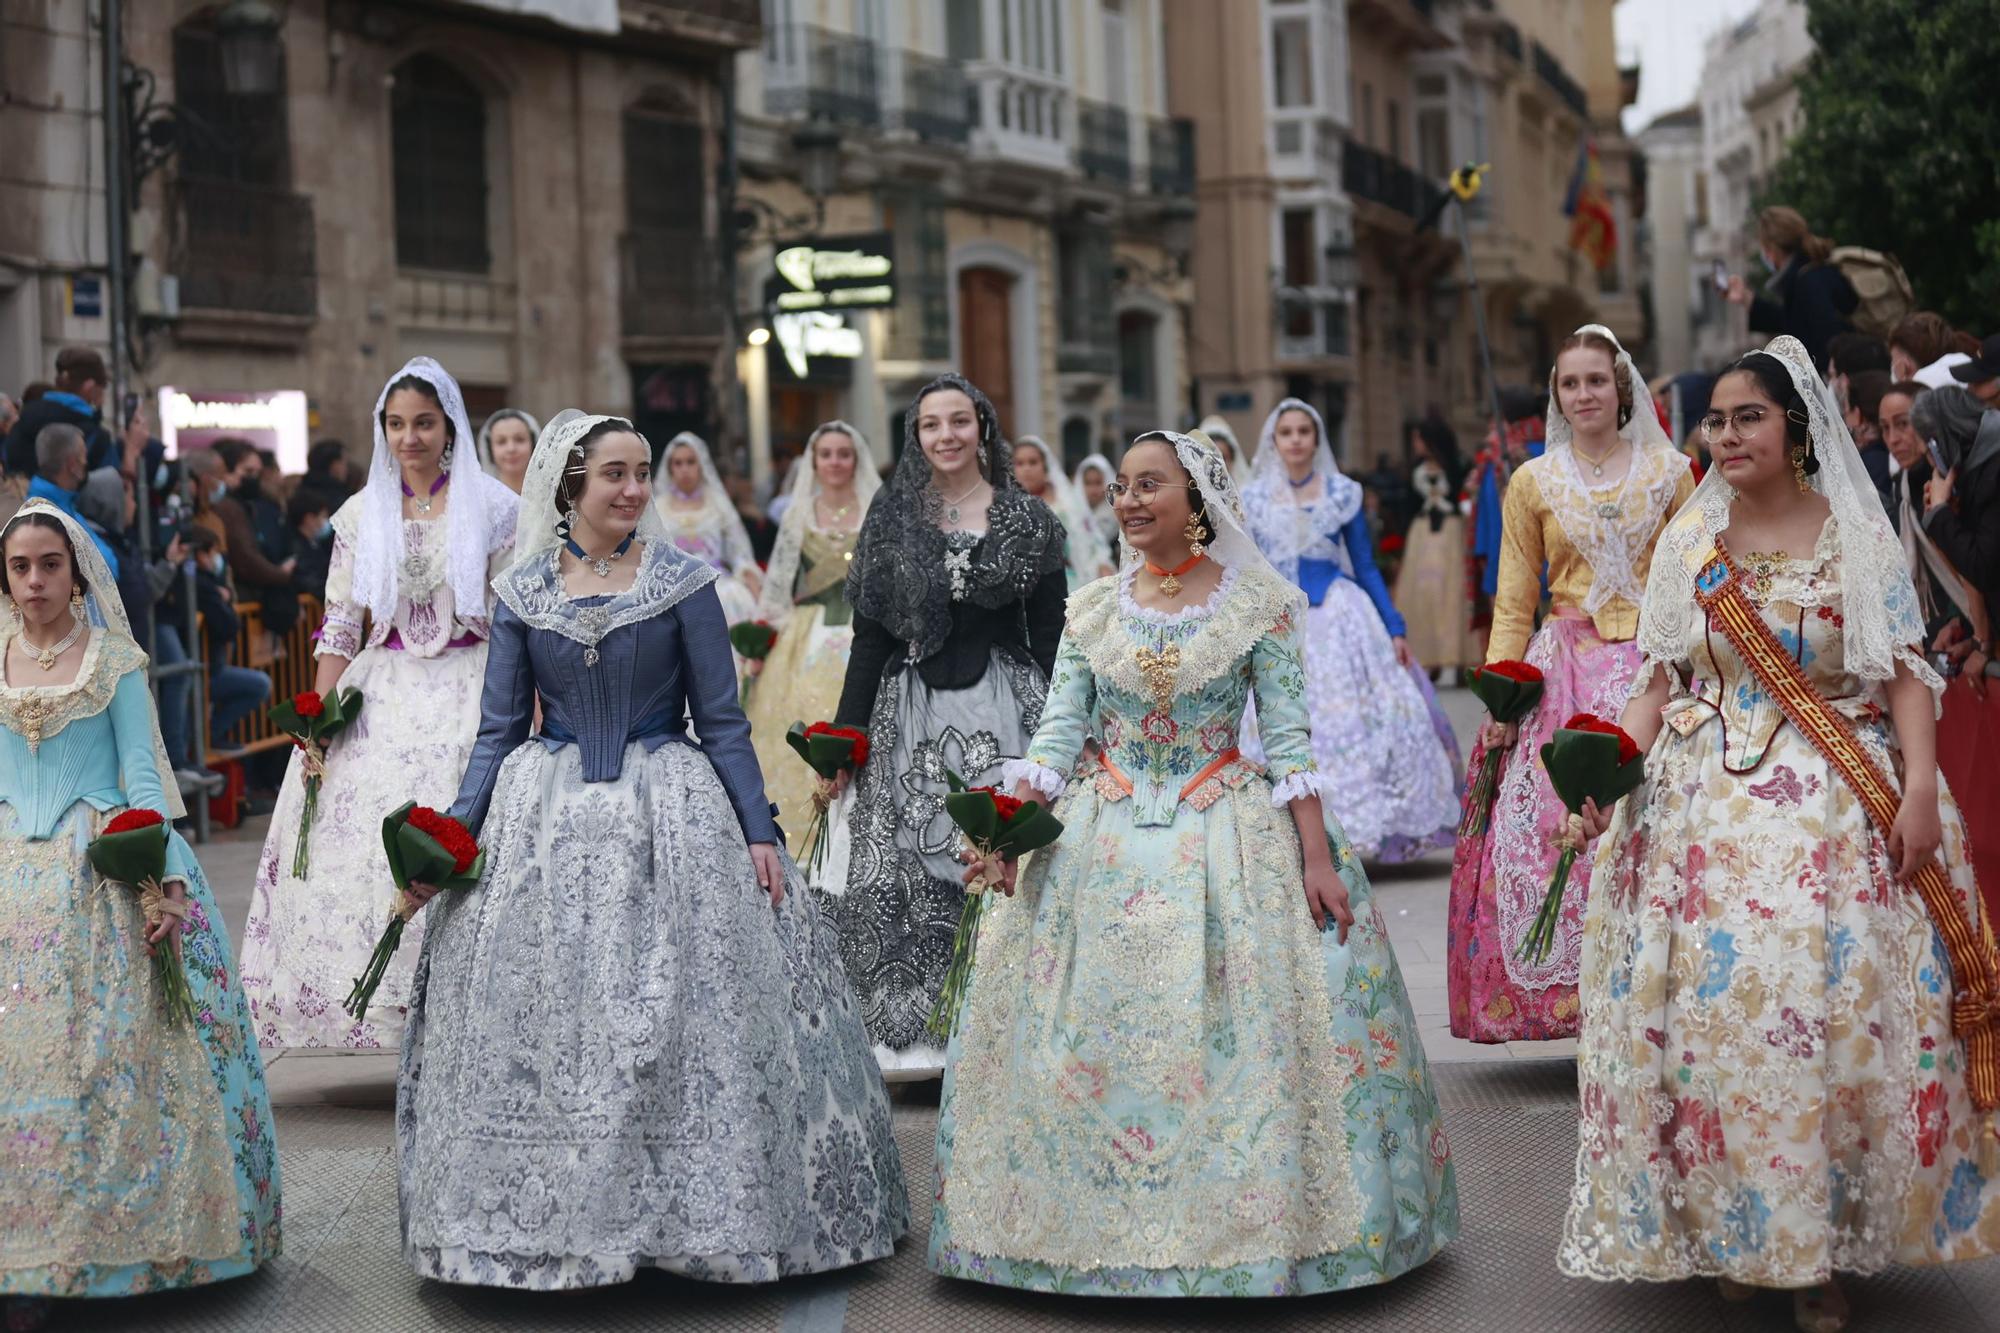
1975, 967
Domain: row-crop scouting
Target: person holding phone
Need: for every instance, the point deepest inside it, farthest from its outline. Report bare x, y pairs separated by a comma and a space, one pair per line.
1962, 498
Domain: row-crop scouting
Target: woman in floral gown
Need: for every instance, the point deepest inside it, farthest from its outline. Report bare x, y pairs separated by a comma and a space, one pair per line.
1773, 1085
630, 1045
407, 606
139, 1150
701, 521
1588, 510
805, 596
1186, 1064
1385, 748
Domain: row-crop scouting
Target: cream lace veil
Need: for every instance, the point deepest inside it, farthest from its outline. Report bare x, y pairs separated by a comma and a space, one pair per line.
556, 454
736, 553
783, 571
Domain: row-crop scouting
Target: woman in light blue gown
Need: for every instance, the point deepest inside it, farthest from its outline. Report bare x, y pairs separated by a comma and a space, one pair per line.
139, 1153
1186, 1064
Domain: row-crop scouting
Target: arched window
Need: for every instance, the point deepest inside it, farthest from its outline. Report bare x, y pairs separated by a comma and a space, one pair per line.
437, 123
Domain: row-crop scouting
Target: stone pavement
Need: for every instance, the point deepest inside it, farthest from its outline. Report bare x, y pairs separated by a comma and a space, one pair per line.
1510, 1111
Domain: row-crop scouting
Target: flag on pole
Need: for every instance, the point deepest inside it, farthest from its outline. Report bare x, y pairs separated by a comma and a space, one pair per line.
1593, 229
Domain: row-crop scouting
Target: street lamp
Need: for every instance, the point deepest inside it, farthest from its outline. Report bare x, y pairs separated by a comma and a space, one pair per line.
252, 52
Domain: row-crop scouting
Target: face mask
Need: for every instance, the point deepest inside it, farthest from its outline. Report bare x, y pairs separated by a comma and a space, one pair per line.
220, 491
321, 529
216, 564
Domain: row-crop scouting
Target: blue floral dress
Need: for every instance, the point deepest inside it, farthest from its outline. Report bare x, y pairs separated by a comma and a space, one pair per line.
1165, 1081
140, 1154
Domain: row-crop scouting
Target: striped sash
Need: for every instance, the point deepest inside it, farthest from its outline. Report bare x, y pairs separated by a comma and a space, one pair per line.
1975, 968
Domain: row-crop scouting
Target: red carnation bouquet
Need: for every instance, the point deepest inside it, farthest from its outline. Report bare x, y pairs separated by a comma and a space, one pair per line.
994, 825
1587, 759
311, 720
423, 847
829, 751
132, 850
1510, 691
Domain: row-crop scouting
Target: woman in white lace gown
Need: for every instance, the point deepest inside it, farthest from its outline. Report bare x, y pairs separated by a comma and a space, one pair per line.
700, 520
631, 1043
407, 608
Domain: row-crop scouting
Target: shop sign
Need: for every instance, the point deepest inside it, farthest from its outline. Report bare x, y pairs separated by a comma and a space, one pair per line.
192, 419
855, 272
815, 335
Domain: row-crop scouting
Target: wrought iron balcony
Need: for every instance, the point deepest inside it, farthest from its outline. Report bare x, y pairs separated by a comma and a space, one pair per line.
1367, 174
245, 248
937, 105
1170, 156
1104, 142
669, 284
817, 72
1567, 90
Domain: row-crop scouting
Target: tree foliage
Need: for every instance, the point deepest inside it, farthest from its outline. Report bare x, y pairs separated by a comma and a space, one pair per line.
1901, 145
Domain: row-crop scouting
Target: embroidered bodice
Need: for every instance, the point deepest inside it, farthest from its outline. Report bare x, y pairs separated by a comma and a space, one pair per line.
1801, 601
1165, 695
1321, 540
634, 666
90, 740
703, 535
824, 557
427, 618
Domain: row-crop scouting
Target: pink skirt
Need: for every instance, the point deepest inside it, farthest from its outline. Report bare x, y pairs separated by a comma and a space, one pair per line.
1498, 879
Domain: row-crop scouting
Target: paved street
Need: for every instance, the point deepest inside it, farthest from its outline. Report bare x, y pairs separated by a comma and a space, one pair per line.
1510, 1112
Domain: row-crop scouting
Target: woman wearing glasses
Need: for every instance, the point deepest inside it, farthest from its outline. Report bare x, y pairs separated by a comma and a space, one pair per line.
1385, 749
1588, 510
1186, 1065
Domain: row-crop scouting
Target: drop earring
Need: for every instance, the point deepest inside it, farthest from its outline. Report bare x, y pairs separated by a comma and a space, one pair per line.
565, 521
75, 600
1799, 468
1194, 533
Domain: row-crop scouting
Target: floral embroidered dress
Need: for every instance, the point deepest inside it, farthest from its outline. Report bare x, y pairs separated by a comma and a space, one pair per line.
1771, 1087
139, 1153
419, 673
1166, 1081
711, 540
1595, 539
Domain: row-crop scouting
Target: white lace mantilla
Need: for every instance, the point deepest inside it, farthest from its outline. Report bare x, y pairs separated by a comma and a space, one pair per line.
533, 590
1609, 525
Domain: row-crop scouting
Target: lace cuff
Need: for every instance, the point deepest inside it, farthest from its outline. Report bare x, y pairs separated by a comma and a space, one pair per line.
1305, 782
1925, 673
1041, 777
338, 638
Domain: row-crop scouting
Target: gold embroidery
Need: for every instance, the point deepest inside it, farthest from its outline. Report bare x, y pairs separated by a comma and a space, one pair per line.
1159, 668
37, 712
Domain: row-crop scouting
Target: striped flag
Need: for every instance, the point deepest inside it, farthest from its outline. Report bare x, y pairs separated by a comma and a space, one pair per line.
1593, 229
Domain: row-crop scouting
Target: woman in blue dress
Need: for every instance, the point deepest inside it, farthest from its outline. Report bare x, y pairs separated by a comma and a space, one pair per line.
631, 1045
1186, 1064
1386, 750
140, 1154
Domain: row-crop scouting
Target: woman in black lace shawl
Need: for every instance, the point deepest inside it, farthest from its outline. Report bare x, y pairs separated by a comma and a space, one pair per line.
957, 587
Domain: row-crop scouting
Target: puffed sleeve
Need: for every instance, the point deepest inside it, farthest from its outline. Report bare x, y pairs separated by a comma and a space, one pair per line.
1065, 719
1518, 589
506, 711
1278, 678
340, 633
131, 714
718, 713
1361, 554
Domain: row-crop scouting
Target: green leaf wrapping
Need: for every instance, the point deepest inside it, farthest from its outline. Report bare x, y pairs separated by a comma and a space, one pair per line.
132, 856
975, 814
415, 855
341, 708
1584, 765
1033, 828
826, 755
1506, 700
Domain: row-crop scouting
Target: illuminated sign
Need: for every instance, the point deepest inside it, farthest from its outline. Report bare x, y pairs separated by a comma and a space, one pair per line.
834, 273
813, 334
191, 420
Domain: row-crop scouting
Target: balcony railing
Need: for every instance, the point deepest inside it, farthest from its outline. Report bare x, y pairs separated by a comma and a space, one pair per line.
937, 105
245, 248
1023, 115
1104, 142
1170, 156
669, 286
1367, 174
1567, 90
812, 71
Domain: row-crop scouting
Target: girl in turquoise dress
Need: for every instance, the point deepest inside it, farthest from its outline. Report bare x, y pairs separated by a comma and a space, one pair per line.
1171, 1076
139, 1154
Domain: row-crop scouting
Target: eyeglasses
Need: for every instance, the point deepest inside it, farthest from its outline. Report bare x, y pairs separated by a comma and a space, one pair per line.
1746, 420
1145, 490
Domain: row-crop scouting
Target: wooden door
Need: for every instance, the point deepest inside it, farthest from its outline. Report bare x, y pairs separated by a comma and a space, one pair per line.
986, 337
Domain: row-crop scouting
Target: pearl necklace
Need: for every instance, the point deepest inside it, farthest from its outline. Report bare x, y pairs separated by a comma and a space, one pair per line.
45, 658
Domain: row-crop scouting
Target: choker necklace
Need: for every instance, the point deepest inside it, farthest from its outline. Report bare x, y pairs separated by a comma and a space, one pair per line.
1170, 579
1302, 482
1597, 462
45, 658
424, 501
600, 565
951, 503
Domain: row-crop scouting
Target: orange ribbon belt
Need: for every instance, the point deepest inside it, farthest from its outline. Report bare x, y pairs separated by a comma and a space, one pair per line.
1975, 967
1214, 766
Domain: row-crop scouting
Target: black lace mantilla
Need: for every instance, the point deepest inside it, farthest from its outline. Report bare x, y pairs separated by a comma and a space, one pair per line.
900, 577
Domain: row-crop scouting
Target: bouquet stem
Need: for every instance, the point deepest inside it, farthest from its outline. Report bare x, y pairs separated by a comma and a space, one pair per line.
1479, 801
378, 965
176, 1000
1542, 935
944, 1018
301, 858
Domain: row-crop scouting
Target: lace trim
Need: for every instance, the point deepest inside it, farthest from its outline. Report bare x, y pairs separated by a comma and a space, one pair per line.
1610, 545
1041, 777
1305, 782
1262, 604
38, 712
1129, 605
533, 590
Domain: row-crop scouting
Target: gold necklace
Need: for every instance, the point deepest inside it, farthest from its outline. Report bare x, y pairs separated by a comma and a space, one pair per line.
837, 515
1597, 461
45, 658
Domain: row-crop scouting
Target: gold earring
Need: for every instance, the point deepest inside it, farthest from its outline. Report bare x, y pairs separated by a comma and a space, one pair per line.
1193, 533
75, 598
1799, 468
